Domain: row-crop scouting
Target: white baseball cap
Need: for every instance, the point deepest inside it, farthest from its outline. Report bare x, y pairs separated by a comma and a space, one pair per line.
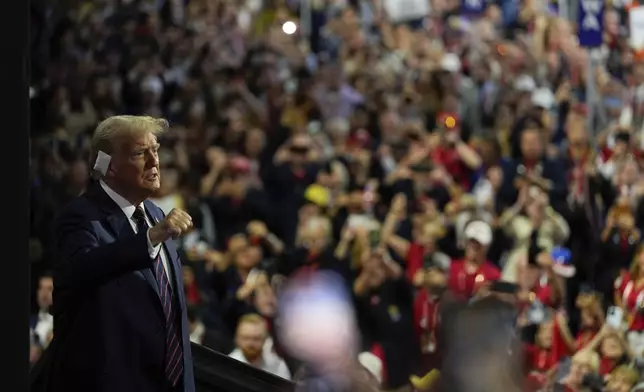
480, 232
543, 98
372, 363
450, 63
525, 83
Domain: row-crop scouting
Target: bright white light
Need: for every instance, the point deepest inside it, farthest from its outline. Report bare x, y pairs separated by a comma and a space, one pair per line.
289, 27
317, 308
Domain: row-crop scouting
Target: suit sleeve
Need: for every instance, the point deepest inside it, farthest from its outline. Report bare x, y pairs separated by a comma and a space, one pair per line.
83, 262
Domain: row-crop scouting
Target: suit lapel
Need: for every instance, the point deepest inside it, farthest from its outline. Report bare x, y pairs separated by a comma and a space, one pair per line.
149, 276
121, 228
147, 273
117, 221
119, 225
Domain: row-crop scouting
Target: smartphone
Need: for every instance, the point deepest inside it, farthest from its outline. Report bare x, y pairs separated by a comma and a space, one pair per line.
536, 312
614, 317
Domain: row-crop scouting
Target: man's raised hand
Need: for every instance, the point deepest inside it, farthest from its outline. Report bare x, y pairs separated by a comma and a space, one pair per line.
175, 224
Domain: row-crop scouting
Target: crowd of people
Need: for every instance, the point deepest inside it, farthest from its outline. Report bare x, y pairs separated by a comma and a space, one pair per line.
429, 154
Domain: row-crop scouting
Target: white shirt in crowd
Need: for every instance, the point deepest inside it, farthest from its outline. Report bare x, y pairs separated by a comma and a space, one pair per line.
197, 335
128, 209
269, 362
44, 327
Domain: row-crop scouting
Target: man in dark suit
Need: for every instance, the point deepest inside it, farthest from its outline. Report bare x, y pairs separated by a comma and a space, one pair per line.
120, 314
533, 163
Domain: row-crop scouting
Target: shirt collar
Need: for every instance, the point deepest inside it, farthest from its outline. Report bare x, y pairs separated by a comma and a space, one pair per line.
261, 363
127, 207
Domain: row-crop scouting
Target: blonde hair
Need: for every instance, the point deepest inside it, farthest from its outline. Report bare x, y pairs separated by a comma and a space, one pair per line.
635, 270
627, 373
320, 223
116, 127
587, 357
252, 318
433, 228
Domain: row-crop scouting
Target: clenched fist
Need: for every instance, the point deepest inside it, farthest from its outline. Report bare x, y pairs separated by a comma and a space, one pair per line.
175, 224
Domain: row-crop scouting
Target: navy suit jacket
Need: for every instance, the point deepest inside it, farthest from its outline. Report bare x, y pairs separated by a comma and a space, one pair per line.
553, 170
109, 325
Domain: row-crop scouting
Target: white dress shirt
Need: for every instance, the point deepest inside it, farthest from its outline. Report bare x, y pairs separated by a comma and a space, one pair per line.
128, 209
44, 326
270, 363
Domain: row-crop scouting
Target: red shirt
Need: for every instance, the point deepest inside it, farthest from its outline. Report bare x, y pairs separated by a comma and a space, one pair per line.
464, 284
584, 337
539, 359
606, 153
414, 260
542, 292
632, 297
426, 314
451, 161
559, 347
193, 296
607, 365
426, 323
568, 388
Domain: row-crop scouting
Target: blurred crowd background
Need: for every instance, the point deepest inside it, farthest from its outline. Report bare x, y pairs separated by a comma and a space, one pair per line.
429, 152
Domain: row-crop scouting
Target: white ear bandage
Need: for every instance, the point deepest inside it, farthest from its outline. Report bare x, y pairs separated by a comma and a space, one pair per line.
102, 162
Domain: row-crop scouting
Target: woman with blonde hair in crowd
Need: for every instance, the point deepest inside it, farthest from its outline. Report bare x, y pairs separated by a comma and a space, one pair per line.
622, 379
583, 363
591, 319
